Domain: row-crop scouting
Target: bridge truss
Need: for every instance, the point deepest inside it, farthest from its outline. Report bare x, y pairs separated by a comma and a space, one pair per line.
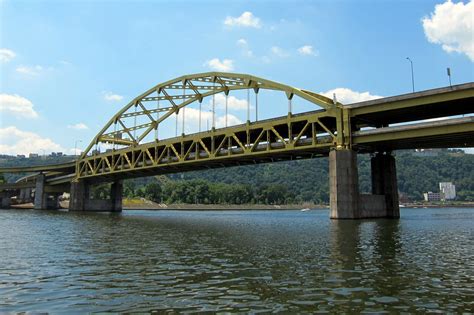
283, 138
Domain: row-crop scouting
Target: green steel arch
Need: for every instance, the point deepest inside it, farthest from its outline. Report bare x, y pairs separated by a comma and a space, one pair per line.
180, 92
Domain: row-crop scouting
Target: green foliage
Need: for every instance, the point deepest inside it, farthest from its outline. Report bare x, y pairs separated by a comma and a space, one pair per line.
153, 192
100, 191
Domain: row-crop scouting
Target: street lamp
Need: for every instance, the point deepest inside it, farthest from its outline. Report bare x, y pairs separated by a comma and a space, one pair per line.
412, 75
75, 146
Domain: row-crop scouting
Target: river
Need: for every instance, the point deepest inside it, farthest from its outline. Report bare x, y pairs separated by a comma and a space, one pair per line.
248, 261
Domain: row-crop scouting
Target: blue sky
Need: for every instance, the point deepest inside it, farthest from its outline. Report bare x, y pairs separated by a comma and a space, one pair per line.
68, 66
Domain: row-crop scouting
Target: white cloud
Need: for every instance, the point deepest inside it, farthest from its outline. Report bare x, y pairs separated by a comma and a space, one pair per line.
6, 55
15, 141
231, 121
247, 19
307, 50
17, 106
277, 51
242, 42
347, 96
451, 26
192, 120
233, 103
111, 97
244, 46
30, 71
78, 126
224, 65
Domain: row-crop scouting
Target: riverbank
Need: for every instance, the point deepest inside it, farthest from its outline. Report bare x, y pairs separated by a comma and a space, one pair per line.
441, 205
144, 204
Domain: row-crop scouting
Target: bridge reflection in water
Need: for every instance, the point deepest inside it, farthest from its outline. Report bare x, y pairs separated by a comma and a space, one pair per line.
427, 119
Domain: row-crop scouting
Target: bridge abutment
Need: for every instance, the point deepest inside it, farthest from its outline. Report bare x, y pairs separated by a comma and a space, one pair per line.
345, 200
80, 198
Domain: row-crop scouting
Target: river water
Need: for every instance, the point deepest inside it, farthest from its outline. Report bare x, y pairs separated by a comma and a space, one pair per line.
249, 261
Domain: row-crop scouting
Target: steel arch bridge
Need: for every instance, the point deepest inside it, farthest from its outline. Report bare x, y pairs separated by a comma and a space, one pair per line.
427, 119
288, 137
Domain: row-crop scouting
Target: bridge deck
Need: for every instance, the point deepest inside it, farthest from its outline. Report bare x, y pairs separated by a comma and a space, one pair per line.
63, 167
447, 101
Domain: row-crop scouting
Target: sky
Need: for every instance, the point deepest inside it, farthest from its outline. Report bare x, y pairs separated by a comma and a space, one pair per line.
66, 67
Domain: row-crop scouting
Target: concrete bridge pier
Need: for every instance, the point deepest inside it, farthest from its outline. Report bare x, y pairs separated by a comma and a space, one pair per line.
80, 198
384, 182
44, 200
345, 200
343, 185
5, 200
25, 195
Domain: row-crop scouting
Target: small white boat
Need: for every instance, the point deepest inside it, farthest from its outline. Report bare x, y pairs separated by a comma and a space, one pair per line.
305, 209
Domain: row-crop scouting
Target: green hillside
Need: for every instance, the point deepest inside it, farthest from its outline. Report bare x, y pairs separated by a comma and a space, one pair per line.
307, 180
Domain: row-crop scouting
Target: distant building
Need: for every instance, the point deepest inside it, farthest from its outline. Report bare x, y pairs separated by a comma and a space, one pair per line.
432, 196
59, 154
33, 155
426, 152
448, 190
21, 156
53, 154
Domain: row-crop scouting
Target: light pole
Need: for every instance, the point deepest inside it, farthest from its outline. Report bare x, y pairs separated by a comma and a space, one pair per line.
448, 70
75, 146
412, 75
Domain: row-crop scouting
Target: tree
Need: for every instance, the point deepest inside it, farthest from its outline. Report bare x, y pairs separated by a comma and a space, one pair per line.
153, 192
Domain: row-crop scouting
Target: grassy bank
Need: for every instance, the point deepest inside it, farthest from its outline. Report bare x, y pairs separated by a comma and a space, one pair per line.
143, 204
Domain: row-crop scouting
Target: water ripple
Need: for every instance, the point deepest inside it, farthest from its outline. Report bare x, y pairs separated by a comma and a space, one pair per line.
258, 261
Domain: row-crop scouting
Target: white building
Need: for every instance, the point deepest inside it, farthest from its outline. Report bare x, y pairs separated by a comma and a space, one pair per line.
432, 196
448, 190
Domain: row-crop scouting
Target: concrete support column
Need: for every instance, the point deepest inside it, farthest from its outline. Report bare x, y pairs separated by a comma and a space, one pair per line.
384, 182
5, 201
80, 200
79, 196
25, 195
41, 198
116, 192
344, 184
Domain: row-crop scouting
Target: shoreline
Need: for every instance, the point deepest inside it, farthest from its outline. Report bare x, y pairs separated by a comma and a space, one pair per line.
150, 205
136, 204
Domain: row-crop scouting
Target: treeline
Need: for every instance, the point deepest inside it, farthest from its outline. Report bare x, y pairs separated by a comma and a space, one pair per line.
296, 181
204, 192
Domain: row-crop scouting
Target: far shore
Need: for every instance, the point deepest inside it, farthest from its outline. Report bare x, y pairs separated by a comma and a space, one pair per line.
144, 204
